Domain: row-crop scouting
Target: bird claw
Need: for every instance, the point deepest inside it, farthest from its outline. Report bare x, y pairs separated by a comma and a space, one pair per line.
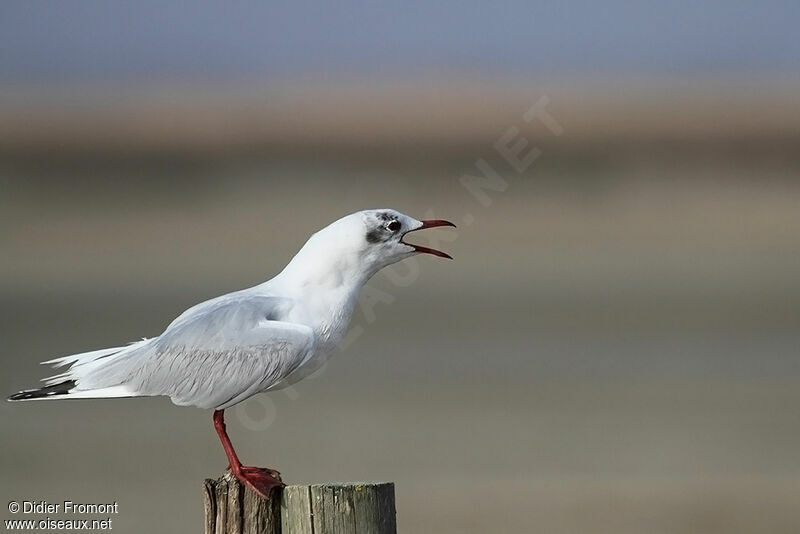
259, 479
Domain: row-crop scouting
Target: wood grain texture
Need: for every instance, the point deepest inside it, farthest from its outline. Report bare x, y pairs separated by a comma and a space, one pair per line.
353, 508
232, 508
296, 512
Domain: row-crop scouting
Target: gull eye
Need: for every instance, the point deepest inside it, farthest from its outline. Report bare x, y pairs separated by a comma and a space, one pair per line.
394, 226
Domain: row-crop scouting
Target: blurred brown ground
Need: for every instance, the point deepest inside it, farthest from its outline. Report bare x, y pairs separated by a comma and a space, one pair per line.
614, 349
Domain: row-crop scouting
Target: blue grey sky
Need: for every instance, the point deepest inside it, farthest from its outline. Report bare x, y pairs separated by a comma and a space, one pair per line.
102, 40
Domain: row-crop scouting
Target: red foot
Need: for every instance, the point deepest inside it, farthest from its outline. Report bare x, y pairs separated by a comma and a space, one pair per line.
259, 479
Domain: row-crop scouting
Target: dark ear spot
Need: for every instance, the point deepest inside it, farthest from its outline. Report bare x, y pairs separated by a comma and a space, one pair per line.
375, 235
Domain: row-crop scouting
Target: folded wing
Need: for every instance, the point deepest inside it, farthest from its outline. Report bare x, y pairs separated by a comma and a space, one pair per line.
216, 356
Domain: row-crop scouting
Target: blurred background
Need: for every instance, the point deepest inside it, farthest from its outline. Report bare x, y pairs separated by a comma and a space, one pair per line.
614, 348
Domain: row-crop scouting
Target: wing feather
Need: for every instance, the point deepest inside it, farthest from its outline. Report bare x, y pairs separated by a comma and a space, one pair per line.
220, 354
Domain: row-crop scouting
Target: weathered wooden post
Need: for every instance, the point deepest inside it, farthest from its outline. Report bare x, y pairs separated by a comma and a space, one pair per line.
232, 508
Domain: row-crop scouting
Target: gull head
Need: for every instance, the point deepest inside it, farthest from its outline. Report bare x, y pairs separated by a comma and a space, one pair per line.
385, 231
359, 245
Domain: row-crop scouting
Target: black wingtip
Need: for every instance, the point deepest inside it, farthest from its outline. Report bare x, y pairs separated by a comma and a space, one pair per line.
61, 388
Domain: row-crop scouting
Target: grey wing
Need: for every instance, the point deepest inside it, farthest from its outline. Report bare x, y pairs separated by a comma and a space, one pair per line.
218, 356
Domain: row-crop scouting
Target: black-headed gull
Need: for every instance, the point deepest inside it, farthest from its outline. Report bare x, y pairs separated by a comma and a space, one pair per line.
227, 349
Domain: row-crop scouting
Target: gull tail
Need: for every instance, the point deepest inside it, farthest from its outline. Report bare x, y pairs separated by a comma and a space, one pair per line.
67, 385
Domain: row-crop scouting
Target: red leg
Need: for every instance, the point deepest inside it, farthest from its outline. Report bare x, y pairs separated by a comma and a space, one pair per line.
259, 479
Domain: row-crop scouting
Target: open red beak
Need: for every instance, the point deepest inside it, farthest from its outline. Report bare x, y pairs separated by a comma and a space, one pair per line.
427, 250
